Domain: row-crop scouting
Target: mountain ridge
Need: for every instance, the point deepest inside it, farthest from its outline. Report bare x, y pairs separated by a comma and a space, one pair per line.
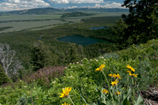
50, 10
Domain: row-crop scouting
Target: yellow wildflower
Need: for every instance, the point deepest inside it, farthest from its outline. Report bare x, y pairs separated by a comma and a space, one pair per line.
114, 82
65, 103
128, 66
100, 68
128, 71
105, 91
131, 68
134, 75
118, 76
114, 75
110, 75
117, 93
65, 92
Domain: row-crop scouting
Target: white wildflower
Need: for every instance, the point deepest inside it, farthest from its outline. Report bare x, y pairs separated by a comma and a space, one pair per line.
24, 87
54, 82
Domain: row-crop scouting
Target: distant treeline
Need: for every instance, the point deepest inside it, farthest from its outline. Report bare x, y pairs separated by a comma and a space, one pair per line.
4, 28
75, 14
26, 20
62, 53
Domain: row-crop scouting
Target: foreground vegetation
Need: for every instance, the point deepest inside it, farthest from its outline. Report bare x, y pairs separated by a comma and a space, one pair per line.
88, 80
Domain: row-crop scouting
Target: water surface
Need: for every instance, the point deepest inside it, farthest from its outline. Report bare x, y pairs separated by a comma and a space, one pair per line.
81, 40
97, 28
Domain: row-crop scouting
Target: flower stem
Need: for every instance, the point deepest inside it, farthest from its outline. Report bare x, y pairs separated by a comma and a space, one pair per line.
70, 99
106, 80
109, 88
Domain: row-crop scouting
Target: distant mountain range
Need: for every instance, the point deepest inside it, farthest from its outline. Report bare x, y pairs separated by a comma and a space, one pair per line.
50, 10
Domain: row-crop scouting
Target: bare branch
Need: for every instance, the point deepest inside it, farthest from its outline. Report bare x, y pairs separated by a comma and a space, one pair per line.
9, 63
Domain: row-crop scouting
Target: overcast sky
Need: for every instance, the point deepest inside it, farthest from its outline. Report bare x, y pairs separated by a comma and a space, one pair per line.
9, 5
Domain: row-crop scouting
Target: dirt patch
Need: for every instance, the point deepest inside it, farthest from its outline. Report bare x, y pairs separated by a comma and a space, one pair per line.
150, 96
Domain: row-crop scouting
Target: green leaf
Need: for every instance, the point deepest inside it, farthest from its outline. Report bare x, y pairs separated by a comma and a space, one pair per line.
126, 102
92, 104
139, 101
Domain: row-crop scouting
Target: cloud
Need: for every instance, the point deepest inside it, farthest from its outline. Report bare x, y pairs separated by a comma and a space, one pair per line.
76, 1
106, 5
72, 7
9, 5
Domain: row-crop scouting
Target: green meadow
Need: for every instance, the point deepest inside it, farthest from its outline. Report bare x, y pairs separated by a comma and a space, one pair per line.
33, 22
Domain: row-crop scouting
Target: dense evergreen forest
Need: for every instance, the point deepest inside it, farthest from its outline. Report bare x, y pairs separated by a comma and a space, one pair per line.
75, 14
62, 53
129, 61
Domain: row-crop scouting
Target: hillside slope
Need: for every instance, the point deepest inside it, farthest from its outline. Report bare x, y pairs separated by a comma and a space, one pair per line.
136, 68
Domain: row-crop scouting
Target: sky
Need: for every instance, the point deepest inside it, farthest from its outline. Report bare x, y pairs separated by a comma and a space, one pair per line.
10, 5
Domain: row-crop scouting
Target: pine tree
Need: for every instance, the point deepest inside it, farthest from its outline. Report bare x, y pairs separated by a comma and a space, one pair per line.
3, 77
40, 55
142, 21
74, 55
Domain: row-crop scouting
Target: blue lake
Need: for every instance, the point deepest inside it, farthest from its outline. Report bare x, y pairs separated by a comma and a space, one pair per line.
97, 28
81, 40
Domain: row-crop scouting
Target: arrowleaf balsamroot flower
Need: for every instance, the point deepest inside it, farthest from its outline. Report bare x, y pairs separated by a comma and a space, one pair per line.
65, 103
100, 68
105, 91
118, 76
110, 75
65, 92
134, 75
117, 93
131, 68
115, 76
128, 71
114, 82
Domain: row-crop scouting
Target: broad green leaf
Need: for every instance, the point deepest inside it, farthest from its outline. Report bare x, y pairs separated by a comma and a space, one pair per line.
139, 101
126, 102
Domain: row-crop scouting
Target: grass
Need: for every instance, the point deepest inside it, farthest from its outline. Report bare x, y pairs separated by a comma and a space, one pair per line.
24, 22
17, 26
